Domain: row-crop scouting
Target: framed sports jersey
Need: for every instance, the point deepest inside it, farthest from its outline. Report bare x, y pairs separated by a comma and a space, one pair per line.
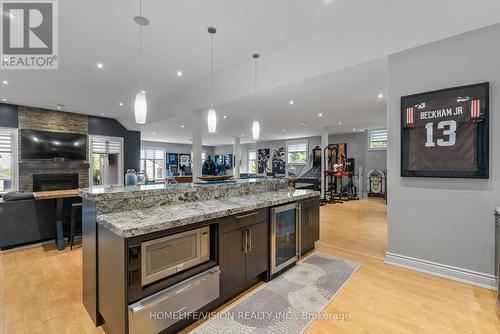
445, 133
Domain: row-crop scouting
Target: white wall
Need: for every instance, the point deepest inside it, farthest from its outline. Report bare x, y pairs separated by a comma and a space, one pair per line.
357, 148
448, 222
274, 144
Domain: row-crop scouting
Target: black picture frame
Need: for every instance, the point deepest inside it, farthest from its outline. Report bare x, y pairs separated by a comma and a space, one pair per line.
173, 159
482, 133
228, 161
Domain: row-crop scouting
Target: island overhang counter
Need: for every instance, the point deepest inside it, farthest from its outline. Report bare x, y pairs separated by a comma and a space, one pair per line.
118, 221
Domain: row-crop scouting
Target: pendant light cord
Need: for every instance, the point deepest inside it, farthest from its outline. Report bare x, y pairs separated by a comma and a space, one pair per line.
212, 98
255, 87
140, 49
255, 57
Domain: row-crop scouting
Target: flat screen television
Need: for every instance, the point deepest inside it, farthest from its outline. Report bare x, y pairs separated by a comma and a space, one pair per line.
45, 145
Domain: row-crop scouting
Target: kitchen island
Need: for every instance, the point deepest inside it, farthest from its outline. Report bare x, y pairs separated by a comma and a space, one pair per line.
184, 248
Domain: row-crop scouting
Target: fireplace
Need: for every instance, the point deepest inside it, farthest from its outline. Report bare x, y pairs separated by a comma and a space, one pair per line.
47, 182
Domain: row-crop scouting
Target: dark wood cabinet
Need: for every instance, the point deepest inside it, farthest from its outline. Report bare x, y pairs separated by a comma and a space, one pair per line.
243, 250
258, 249
231, 260
309, 224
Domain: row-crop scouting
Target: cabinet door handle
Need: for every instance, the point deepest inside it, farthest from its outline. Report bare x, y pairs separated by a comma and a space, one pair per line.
245, 240
247, 215
310, 217
249, 240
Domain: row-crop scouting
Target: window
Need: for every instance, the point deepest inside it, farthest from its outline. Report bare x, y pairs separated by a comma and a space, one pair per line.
153, 163
377, 139
297, 152
8, 160
106, 161
252, 162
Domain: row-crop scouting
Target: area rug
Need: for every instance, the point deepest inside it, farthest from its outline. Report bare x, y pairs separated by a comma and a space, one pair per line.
289, 303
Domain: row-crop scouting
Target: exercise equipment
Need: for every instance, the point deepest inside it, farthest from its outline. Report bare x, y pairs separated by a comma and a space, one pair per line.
334, 170
349, 191
313, 175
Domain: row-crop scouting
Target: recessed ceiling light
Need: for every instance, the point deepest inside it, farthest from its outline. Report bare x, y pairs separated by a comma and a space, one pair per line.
292, 102
303, 123
340, 123
179, 73
225, 116
353, 129
182, 125
154, 132
283, 130
102, 114
4, 100
380, 96
120, 104
100, 65
143, 92
242, 135
5, 82
320, 115
59, 107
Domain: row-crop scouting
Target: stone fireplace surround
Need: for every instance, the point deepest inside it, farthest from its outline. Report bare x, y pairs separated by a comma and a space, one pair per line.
54, 121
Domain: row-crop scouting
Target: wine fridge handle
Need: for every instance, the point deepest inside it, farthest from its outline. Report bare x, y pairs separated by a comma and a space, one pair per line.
298, 242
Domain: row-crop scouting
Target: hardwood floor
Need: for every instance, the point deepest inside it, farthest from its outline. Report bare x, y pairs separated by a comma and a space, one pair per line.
40, 292
357, 226
40, 288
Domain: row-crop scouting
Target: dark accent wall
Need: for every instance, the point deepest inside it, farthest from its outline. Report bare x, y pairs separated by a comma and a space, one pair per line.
8, 116
103, 126
14, 116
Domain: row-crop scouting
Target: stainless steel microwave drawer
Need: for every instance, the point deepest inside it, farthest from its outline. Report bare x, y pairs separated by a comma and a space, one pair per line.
161, 310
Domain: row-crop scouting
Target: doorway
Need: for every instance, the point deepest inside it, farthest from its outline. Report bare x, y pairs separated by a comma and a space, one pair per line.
106, 161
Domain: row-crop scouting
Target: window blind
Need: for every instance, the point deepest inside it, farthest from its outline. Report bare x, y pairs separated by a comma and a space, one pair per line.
149, 153
106, 146
6, 141
297, 147
378, 138
252, 155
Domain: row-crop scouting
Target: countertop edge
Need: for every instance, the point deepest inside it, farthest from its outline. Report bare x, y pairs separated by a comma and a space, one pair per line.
128, 192
170, 224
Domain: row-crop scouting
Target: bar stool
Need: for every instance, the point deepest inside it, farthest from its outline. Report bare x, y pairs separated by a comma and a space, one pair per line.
76, 218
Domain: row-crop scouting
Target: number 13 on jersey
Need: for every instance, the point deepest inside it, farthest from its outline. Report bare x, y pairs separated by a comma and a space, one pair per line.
449, 134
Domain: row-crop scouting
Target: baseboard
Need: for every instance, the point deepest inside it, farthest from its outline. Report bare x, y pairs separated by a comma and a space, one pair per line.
437, 269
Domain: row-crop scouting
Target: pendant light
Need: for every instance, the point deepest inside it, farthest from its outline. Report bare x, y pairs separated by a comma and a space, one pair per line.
255, 124
140, 106
212, 116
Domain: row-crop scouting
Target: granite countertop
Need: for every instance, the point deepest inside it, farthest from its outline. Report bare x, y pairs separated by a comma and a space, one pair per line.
132, 223
101, 193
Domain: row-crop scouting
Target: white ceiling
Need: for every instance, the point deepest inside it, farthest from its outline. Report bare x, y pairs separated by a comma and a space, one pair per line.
349, 96
303, 45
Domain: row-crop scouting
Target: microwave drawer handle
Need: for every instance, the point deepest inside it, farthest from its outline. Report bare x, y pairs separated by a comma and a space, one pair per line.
142, 307
247, 215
